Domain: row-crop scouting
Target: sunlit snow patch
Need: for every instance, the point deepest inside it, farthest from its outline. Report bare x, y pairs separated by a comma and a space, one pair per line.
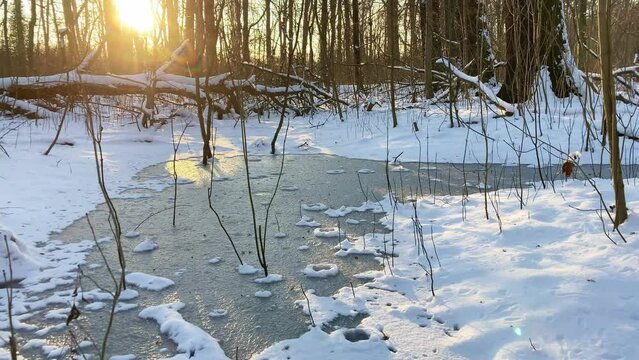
149, 282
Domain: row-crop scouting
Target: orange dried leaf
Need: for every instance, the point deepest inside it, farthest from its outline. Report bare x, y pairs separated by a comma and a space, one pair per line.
567, 168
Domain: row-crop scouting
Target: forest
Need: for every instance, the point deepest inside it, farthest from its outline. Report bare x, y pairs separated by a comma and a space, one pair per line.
451, 179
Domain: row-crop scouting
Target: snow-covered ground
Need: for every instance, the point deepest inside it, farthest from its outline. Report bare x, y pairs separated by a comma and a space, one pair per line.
549, 285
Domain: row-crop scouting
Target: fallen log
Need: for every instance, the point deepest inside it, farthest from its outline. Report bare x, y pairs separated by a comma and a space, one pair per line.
304, 85
475, 81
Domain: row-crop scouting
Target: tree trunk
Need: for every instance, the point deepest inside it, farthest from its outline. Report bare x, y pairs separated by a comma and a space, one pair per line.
211, 23
609, 102
553, 48
246, 53
477, 48
18, 26
113, 35
323, 43
172, 23
5, 38
520, 55
269, 41
31, 35
357, 46
199, 28
392, 41
189, 21
426, 11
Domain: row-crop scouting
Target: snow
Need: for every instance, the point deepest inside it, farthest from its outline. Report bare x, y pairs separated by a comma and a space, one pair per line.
549, 277
316, 344
308, 222
246, 269
131, 234
95, 306
271, 278
263, 294
328, 232
215, 260
147, 245
314, 207
216, 313
149, 282
320, 270
192, 342
123, 357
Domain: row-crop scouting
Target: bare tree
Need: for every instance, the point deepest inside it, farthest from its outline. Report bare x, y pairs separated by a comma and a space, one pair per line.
610, 111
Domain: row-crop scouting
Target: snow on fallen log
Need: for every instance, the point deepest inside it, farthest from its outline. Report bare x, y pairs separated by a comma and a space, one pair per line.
474, 80
24, 108
72, 82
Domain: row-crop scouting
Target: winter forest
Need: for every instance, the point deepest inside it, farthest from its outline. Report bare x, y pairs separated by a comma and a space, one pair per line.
319, 179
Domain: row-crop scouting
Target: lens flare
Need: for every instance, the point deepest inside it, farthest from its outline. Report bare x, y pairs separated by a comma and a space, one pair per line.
136, 14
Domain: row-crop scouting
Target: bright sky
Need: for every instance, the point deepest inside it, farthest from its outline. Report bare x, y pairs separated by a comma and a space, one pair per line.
136, 14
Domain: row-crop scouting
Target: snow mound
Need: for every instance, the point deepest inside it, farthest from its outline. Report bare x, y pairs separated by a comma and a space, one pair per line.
323, 270
95, 306
335, 172
193, 342
123, 357
279, 235
341, 344
303, 247
132, 234
263, 294
149, 282
345, 210
214, 260
24, 259
307, 221
216, 313
289, 188
352, 222
328, 232
314, 207
119, 307
365, 171
246, 269
271, 278
147, 245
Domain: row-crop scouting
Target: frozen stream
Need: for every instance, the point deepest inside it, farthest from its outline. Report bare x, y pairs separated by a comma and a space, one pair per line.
251, 323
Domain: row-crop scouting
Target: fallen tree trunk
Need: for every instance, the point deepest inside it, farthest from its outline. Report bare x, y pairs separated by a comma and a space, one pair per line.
24, 108
72, 82
475, 81
79, 80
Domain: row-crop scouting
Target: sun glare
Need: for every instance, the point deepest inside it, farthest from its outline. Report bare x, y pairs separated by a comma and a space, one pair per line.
136, 14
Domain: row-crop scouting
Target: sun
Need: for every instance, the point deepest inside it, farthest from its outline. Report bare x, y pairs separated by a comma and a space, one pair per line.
136, 14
